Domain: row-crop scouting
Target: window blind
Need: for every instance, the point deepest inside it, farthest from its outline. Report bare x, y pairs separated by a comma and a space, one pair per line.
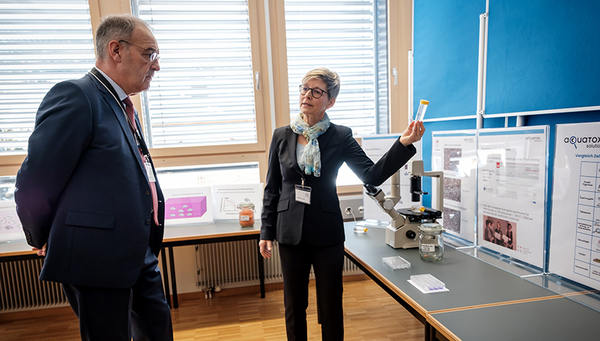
203, 94
41, 44
350, 38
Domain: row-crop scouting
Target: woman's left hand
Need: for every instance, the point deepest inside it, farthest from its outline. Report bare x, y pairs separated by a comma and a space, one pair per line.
413, 133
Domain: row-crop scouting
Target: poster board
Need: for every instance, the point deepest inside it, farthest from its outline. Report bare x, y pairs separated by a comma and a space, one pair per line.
575, 222
11, 229
375, 146
511, 187
226, 199
189, 205
455, 153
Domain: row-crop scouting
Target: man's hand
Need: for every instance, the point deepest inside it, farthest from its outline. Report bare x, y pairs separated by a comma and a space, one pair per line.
41, 252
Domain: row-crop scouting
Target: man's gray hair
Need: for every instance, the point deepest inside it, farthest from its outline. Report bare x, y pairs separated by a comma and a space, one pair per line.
331, 78
115, 27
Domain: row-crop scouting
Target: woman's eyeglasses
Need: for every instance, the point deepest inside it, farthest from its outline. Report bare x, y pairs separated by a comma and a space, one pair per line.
316, 92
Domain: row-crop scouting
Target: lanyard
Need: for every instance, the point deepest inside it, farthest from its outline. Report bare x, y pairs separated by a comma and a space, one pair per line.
138, 137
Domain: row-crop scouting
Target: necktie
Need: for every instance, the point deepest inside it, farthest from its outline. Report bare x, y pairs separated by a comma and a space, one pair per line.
129, 110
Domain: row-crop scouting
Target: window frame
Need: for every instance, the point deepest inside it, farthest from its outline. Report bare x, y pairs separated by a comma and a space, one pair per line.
269, 59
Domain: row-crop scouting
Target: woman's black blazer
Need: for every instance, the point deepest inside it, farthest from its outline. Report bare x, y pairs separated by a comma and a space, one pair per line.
320, 223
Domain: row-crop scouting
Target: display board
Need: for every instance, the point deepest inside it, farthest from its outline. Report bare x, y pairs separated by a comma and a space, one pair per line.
511, 183
11, 229
575, 233
455, 153
375, 146
542, 55
189, 205
226, 199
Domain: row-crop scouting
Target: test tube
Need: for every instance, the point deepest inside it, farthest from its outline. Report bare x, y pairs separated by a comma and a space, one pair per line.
421, 111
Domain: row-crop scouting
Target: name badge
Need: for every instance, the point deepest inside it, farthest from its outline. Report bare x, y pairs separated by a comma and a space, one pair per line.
149, 171
303, 194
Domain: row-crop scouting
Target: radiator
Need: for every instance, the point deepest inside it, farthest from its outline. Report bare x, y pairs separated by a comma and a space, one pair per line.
20, 288
220, 265
235, 264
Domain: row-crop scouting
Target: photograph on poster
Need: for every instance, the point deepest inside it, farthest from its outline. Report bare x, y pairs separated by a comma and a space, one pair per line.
452, 189
452, 158
451, 220
455, 153
500, 232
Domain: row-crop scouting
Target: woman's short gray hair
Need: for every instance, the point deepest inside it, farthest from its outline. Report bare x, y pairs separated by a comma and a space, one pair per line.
331, 78
115, 27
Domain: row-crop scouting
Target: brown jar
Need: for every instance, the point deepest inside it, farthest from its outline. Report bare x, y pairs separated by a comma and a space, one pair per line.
246, 214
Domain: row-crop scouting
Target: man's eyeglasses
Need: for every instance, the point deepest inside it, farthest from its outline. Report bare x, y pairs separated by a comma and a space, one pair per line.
316, 92
151, 56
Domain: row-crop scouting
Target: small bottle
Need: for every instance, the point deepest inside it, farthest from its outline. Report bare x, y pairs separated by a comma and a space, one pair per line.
421, 111
360, 229
246, 214
431, 242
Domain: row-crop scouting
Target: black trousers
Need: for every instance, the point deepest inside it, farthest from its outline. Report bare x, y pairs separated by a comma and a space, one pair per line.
328, 263
115, 314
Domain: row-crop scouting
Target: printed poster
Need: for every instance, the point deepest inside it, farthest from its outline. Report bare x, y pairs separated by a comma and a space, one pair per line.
511, 192
227, 198
455, 153
375, 146
11, 228
575, 224
190, 205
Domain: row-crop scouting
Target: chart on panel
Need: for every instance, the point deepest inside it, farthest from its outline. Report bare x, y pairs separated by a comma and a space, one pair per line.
575, 224
587, 240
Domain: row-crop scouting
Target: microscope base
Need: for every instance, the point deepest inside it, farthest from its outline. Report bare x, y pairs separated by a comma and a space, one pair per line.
397, 239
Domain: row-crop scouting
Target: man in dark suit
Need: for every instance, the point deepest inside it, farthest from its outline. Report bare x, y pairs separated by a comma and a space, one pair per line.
87, 194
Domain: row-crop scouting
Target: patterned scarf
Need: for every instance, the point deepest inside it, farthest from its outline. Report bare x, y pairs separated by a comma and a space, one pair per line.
310, 160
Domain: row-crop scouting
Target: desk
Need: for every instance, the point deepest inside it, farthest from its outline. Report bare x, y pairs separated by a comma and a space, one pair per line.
220, 231
473, 285
16, 250
550, 319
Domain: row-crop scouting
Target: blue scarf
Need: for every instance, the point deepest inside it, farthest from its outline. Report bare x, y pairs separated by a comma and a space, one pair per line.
310, 160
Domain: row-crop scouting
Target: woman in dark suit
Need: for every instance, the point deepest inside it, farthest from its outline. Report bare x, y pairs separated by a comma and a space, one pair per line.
301, 207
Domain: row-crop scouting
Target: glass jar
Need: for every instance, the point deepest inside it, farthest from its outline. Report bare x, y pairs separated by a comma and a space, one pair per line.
246, 214
431, 242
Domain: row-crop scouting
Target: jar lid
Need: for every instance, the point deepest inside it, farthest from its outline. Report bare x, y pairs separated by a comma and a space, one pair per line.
246, 204
431, 228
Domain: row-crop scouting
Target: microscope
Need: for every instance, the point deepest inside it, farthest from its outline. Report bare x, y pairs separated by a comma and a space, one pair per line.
402, 232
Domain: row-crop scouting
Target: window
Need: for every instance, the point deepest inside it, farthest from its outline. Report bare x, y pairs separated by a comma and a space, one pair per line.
349, 37
41, 44
204, 93
193, 176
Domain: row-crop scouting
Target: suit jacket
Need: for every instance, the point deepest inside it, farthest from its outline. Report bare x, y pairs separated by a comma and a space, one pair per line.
83, 189
320, 223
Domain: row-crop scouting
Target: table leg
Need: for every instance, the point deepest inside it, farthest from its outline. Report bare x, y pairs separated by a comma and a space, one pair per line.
173, 280
261, 274
165, 275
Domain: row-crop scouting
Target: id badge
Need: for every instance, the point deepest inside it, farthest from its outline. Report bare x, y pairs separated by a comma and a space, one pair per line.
303, 194
149, 171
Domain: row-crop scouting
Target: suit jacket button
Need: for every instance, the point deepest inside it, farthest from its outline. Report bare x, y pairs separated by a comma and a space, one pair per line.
147, 221
147, 192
